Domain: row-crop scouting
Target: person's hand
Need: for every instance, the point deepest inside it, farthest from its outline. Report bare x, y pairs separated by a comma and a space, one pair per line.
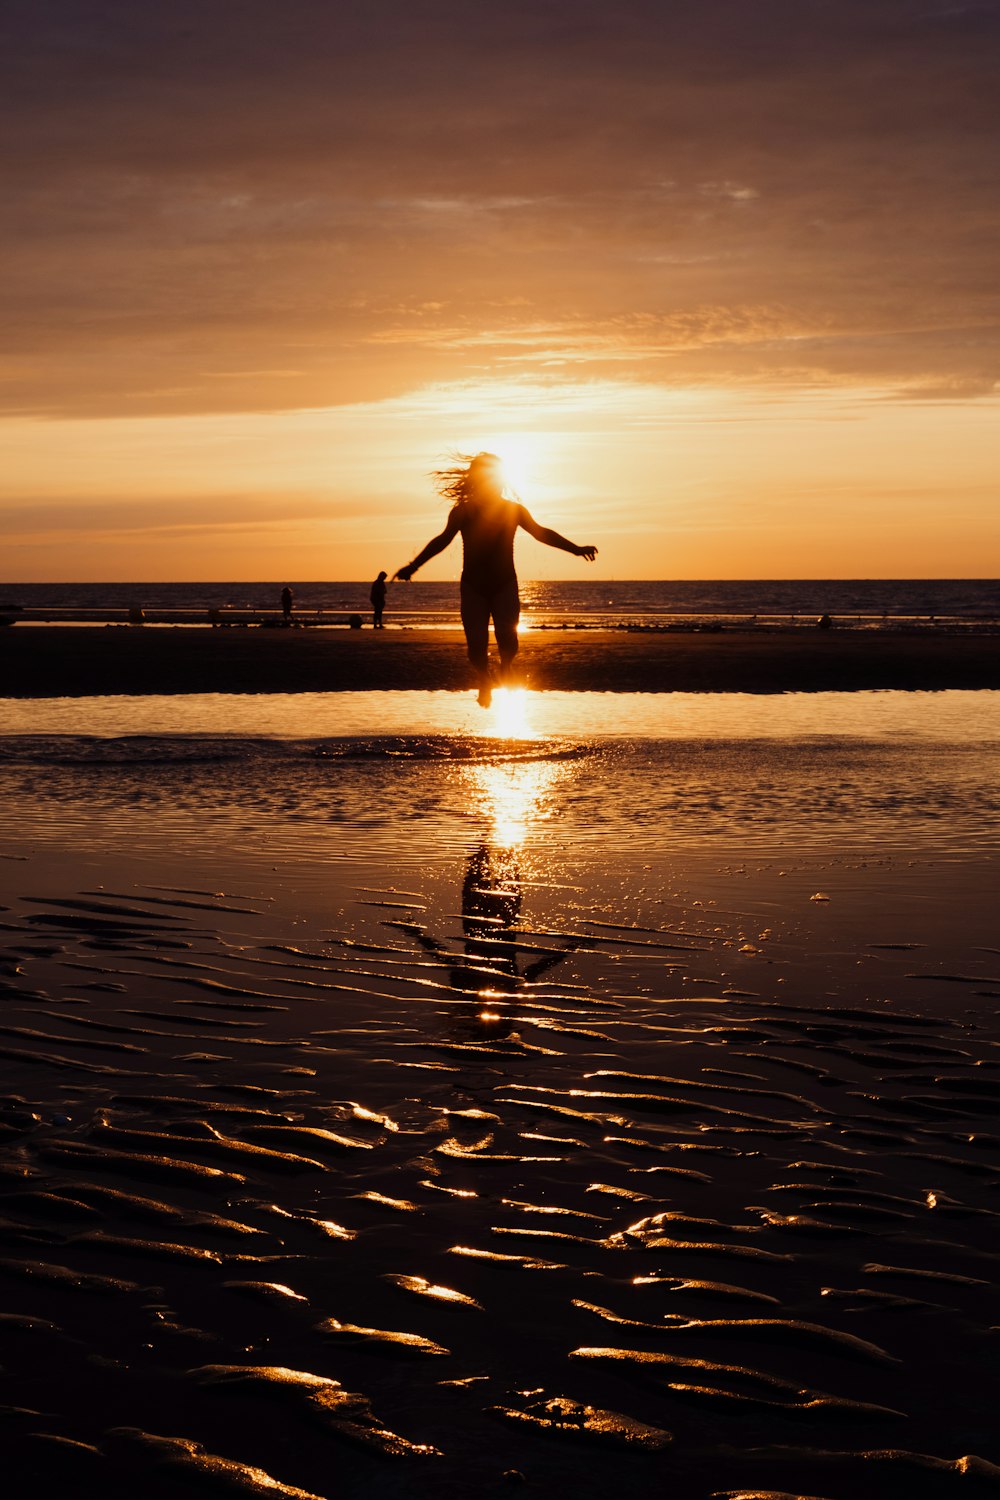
588, 552
403, 574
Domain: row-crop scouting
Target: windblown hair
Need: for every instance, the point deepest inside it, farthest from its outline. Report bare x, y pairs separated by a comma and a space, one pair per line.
461, 481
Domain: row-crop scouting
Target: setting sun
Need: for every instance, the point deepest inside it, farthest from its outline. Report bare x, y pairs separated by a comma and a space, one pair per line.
522, 456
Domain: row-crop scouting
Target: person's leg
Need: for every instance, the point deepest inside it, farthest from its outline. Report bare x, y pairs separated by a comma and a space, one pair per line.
506, 614
476, 624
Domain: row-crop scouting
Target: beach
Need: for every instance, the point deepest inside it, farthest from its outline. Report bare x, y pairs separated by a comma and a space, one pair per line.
49, 661
500, 751
437, 1115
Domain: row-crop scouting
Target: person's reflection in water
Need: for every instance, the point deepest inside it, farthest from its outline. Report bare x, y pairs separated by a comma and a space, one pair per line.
494, 971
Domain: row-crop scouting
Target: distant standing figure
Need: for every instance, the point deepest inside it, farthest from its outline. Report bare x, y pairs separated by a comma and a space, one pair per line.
488, 519
287, 600
377, 596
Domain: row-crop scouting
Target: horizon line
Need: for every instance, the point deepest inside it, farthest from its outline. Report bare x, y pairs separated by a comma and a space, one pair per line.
446, 582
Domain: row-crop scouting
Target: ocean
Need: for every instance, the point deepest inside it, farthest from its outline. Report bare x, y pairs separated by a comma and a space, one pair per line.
586, 601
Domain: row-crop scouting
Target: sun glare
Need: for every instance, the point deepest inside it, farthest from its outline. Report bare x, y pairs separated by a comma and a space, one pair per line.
511, 715
514, 797
520, 454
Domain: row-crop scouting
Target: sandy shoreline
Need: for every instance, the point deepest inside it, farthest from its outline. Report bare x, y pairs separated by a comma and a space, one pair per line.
428, 1131
82, 661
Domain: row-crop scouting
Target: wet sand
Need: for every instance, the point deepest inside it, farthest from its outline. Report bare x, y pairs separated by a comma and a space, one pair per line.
44, 661
573, 1154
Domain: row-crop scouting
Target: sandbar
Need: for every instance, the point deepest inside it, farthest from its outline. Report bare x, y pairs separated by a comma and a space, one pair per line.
80, 661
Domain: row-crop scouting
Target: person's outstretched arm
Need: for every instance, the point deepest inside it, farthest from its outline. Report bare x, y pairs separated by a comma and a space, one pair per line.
434, 546
553, 538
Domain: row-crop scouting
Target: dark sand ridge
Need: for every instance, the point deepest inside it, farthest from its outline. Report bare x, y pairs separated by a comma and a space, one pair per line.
307, 1209
80, 661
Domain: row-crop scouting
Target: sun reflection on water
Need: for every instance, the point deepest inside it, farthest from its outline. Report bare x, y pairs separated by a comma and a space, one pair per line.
514, 797
510, 716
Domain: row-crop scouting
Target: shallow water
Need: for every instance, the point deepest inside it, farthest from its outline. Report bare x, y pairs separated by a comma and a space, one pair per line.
658, 1077
400, 803
953, 717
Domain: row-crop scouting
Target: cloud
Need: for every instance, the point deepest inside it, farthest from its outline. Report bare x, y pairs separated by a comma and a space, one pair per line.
224, 207
154, 517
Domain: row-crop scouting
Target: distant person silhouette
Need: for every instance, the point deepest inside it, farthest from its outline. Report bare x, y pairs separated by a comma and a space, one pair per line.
287, 600
377, 596
488, 519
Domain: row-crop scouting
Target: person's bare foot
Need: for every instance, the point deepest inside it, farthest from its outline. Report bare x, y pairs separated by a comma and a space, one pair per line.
485, 695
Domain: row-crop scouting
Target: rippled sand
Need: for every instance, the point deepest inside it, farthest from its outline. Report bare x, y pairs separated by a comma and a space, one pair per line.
402, 1125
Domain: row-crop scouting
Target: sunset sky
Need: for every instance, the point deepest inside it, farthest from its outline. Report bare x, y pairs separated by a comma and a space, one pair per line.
717, 277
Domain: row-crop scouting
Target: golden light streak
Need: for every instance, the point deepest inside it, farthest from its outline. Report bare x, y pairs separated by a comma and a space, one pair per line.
514, 797
511, 715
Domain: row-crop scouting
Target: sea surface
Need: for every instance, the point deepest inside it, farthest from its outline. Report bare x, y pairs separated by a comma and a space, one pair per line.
586, 600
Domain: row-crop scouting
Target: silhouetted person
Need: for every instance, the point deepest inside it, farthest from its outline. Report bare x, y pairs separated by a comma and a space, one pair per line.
287, 600
377, 596
488, 520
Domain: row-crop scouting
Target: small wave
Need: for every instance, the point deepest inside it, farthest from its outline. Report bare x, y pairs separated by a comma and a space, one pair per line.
133, 750
446, 748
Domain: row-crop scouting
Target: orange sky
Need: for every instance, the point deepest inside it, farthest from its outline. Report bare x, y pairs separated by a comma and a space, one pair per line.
719, 281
